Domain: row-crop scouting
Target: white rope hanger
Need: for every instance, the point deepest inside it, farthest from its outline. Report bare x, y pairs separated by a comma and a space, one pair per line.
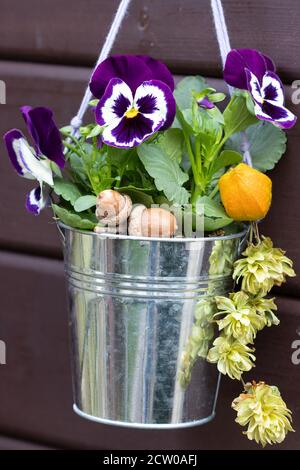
76, 122
225, 48
221, 29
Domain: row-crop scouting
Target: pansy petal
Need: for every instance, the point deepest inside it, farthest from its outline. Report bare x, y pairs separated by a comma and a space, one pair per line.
254, 87
45, 133
131, 69
272, 88
15, 159
155, 100
39, 169
269, 63
35, 201
116, 100
129, 132
278, 115
238, 60
159, 71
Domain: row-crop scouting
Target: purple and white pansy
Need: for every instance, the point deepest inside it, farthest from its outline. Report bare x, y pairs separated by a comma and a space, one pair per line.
135, 99
35, 162
248, 69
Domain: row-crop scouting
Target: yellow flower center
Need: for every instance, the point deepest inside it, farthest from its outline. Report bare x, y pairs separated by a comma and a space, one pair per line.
131, 113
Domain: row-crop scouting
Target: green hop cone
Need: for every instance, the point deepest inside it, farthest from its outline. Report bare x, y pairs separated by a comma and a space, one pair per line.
262, 267
200, 339
240, 320
222, 257
264, 308
264, 411
232, 357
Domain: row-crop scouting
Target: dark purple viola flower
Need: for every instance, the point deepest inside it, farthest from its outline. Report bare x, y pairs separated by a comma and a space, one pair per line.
36, 201
159, 71
34, 163
238, 60
129, 119
133, 70
205, 103
45, 133
268, 99
250, 70
136, 99
24, 158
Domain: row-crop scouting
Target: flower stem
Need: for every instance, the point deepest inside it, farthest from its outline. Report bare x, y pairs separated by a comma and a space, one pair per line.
198, 155
192, 159
214, 192
256, 232
196, 193
244, 385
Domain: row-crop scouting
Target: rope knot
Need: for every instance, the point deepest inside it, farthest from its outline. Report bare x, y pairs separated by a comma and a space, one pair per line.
76, 122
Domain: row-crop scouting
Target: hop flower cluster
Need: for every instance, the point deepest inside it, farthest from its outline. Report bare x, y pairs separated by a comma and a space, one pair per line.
232, 357
262, 267
264, 308
241, 320
200, 339
222, 257
264, 411
242, 314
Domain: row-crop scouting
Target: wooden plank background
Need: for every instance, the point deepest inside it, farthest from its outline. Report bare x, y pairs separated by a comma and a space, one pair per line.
47, 49
71, 32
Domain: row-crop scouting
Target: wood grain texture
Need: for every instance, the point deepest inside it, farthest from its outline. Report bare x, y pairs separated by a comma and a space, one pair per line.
35, 384
10, 443
179, 32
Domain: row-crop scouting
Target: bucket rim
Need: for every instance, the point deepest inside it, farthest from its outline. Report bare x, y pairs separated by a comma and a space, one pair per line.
115, 236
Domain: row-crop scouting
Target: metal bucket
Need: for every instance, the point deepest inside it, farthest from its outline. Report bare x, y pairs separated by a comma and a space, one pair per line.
132, 305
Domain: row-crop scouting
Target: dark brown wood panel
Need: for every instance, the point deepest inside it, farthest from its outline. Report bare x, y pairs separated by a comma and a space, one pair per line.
10, 443
35, 384
179, 32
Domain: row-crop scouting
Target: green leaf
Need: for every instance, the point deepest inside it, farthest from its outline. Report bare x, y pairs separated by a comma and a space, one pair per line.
211, 224
237, 116
84, 222
55, 169
215, 216
226, 158
184, 120
250, 103
216, 115
120, 158
66, 130
212, 208
138, 196
185, 88
93, 103
94, 132
167, 173
85, 202
78, 170
217, 97
267, 144
67, 190
203, 93
172, 142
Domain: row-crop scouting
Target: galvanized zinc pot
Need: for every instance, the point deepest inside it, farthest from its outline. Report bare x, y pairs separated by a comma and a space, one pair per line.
132, 307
